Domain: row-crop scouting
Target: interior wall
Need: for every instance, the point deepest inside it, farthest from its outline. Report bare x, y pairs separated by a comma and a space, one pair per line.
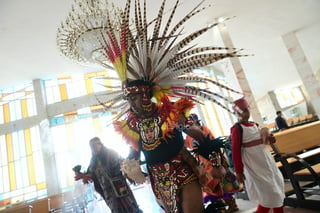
266, 109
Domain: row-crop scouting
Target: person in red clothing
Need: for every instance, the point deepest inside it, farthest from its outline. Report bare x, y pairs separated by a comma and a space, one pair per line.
215, 190
254, 164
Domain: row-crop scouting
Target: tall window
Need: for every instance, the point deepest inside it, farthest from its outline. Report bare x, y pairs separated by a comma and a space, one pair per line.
217, 119
17, 103
21, 166
289, 96
74, 86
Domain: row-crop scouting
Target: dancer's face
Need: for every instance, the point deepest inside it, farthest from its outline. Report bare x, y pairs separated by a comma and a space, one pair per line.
140, 102
135, 101
96, 146
244, 115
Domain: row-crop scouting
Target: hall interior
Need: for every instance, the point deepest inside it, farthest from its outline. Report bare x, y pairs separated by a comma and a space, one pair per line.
49, 108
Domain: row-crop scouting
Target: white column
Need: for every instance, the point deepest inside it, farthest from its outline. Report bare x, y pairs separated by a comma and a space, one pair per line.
309, 80
237, 77
47, 146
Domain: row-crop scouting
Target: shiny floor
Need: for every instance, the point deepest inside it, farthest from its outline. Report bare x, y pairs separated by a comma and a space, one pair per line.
148, 204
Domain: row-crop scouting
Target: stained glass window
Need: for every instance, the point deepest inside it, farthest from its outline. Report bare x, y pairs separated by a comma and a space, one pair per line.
17, 103
19, 157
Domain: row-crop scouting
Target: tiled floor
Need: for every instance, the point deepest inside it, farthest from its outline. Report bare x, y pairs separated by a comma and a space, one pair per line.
148, 204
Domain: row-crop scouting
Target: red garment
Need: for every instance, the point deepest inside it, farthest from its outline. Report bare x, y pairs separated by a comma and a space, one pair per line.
261, 209
278, 210
167, 180
236, 147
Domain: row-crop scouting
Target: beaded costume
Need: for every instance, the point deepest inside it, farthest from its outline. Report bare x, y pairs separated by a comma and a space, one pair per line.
157, 63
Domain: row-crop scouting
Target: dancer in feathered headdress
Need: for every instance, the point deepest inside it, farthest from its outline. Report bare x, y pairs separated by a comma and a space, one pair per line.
154, 70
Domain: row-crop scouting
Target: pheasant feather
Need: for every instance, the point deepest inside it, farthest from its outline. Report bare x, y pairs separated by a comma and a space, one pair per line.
158, 52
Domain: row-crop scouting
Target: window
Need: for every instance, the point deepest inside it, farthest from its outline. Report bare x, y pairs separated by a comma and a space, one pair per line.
17, 103
289, 96
21, 166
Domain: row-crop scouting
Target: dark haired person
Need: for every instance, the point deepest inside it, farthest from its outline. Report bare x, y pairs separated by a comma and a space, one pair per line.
108, 179
281, 122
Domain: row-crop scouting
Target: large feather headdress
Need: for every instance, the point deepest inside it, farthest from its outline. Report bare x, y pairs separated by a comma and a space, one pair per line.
155, 52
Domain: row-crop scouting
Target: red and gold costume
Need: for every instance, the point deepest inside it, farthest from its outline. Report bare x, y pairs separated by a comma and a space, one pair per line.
149, 60
158, 136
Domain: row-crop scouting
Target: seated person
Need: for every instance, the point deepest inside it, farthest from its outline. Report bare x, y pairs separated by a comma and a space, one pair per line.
281, 122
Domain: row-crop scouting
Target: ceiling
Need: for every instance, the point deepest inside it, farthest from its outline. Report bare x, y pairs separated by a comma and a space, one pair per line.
28, 38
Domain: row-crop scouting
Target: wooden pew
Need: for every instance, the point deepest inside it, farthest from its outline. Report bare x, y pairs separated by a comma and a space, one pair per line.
300, 138
55, 202
20, 208
297, 153
43, 205
40, 205
272, 126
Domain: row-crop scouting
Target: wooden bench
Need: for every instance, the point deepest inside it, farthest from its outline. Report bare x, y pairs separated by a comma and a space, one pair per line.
272, 126
20, 208
52, 203
297, 152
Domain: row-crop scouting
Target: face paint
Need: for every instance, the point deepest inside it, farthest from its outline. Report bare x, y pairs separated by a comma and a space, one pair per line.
144, 101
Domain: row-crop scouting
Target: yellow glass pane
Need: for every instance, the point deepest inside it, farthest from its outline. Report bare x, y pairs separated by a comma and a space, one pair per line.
96, 108
90, 75
102, 73
63, 92
41, 186
88, 81
32, 177
6, 113
9, 147
108, 82
28, 143
89, 87
12, 177
24, 108
27, 138
71, 113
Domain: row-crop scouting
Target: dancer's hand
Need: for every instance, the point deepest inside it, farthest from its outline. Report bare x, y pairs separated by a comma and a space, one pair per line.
271, 139
240, 177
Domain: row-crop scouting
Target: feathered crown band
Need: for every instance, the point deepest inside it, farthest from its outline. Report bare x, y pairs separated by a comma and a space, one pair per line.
153, 56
